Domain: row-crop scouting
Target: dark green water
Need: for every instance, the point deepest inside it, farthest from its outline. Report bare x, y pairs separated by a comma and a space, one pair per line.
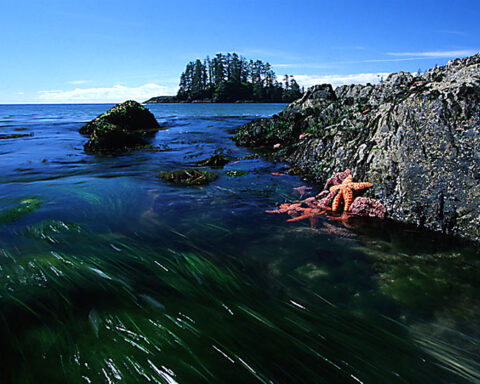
110, 275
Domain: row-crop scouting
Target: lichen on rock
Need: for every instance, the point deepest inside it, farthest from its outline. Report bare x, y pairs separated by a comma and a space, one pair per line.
126, 126
415, 137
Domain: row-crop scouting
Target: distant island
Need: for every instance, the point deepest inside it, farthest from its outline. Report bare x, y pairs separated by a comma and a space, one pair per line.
230, 78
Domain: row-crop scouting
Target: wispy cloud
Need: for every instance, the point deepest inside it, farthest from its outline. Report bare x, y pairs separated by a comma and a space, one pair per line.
337, 80
336, 63
397, 57
116, 93
77, 82
437, 54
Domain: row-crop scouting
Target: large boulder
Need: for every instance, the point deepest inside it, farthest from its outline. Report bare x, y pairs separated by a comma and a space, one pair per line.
125, 126
416, 137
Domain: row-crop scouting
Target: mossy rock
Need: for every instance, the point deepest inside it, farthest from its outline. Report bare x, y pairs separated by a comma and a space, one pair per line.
25, 207
126, 126
218, 160
188, 176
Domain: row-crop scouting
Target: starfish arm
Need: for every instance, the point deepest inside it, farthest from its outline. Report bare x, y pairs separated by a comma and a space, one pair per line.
335, 188
307, 214
347, 181
336, 201
347, 198
301, 217
360, 186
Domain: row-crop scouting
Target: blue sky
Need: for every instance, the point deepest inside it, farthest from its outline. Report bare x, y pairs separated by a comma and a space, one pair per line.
108, 51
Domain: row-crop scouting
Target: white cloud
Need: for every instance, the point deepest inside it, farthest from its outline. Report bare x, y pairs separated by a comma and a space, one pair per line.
336, 80
334, 64
117, 93
77, 82
398, 57
437, 54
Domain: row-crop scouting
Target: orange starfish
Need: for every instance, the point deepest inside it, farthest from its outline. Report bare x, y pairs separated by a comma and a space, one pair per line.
301, 190
346, 192
309, 213
303, 209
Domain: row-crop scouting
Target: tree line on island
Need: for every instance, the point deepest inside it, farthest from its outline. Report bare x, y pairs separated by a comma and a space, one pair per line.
228, 78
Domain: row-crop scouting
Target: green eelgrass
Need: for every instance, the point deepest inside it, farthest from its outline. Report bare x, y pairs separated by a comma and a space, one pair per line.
23, 208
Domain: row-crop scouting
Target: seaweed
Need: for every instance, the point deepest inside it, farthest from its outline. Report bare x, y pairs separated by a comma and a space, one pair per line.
25, 207
188, 176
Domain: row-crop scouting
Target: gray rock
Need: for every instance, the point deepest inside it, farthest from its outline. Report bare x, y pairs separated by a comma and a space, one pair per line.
417, 138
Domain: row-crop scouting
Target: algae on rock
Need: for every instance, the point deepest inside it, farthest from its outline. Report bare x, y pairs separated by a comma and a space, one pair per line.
126, 126
25, 207
218, 160
188, 176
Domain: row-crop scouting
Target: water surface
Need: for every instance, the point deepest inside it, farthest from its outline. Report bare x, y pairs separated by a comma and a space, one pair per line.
108, 274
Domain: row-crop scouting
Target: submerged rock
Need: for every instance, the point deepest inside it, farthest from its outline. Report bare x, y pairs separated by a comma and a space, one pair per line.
23, 208
125, 126
218, 160
237, 172
416, 137
15, 136
188, 176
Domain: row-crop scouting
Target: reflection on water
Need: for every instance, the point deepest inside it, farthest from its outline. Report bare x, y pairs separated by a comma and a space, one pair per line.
108, 274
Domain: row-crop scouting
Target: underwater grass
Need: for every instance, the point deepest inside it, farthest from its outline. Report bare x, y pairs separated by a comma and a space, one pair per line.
138, 313
24, 207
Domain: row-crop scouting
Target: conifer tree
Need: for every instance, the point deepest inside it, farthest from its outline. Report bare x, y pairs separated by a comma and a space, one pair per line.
230, 77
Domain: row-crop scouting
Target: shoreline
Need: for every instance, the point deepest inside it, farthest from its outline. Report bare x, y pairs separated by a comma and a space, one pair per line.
212, 102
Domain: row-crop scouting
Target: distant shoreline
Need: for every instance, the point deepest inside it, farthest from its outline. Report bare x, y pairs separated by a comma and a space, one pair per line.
160, 102
174, 100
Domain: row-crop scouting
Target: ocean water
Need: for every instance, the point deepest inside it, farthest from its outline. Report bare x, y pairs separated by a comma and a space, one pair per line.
110, 275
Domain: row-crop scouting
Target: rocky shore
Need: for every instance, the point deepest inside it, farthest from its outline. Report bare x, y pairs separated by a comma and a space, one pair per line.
415, 137
161, 99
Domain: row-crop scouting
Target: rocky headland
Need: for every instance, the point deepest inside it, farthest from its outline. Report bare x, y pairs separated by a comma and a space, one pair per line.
162, 99
415, 137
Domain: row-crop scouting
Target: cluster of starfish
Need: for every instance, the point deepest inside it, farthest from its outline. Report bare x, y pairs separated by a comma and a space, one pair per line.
345, 193
340, 191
